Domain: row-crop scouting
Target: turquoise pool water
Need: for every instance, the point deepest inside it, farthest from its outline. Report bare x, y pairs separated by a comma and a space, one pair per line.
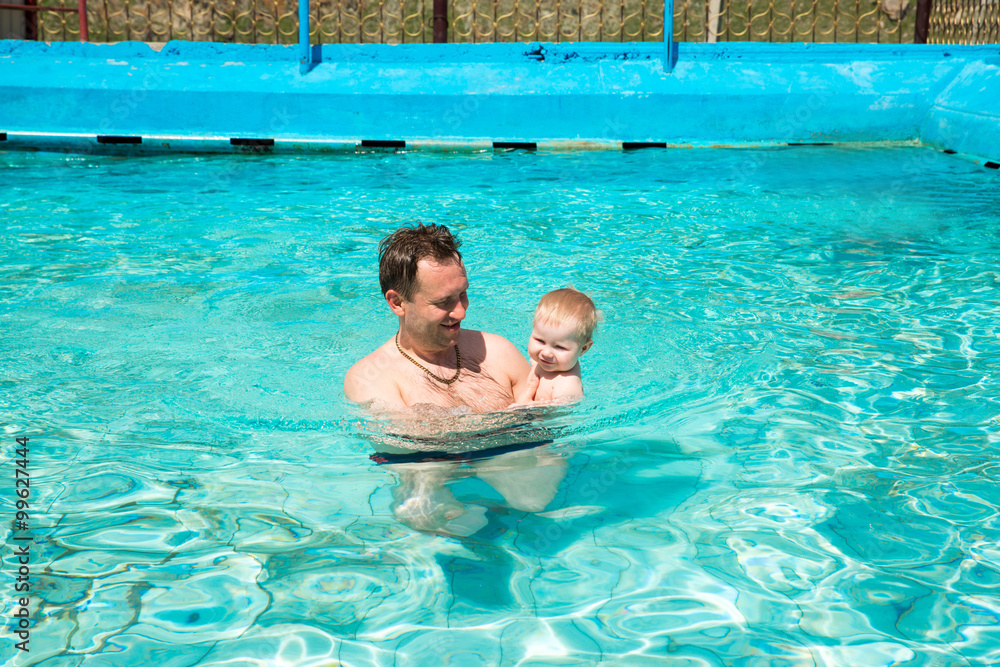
787, 454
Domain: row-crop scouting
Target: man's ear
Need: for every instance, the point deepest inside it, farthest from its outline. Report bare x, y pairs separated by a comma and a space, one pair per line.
395, 301
586, 346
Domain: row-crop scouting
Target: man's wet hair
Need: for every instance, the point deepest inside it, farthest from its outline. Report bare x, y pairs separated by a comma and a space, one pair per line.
399, 252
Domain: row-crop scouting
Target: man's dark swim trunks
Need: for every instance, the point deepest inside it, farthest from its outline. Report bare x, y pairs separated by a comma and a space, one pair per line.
427, 457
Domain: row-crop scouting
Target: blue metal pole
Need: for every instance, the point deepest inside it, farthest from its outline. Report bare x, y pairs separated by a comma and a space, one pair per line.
305, 50
668, 35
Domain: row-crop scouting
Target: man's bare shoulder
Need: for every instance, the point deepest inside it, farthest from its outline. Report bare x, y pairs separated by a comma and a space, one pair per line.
499, 345
370, 379
503, 359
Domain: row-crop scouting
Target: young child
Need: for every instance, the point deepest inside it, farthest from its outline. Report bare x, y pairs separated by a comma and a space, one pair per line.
564, 323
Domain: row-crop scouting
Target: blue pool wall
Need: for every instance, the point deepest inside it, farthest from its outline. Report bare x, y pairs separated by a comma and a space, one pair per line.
200, 96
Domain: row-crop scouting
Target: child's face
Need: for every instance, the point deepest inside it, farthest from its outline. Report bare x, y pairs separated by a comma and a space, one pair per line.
555, 346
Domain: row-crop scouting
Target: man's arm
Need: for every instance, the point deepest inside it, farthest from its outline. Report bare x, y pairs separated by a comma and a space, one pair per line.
509, 363
368, 380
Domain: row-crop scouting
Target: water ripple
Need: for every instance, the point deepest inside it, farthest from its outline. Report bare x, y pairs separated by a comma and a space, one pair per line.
786, 453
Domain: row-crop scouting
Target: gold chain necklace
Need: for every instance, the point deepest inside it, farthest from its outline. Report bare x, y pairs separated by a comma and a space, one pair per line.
458, 363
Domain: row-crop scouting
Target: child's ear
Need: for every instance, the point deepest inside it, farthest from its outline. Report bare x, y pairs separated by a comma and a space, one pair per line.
586, 346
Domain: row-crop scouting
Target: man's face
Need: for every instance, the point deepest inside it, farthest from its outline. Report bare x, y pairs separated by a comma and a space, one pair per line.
435, 315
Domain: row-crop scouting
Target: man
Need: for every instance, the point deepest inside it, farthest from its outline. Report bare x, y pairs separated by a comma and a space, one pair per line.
432, 359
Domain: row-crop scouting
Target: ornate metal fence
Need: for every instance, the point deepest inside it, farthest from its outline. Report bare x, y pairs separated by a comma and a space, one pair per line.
363, 21
965, 22
794, 21
409, 21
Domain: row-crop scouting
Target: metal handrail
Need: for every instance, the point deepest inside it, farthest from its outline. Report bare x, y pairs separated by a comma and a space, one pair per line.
441, 26
668, 36
305, 48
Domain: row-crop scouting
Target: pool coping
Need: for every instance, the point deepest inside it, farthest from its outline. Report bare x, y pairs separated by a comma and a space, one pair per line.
133, 98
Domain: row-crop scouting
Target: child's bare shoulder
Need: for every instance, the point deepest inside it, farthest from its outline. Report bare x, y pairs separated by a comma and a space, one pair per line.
567, 384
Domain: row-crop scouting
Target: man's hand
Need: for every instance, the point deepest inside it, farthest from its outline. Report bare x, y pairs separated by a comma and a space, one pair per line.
527, 395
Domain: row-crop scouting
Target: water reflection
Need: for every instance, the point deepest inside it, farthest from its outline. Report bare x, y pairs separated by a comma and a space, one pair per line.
431, 447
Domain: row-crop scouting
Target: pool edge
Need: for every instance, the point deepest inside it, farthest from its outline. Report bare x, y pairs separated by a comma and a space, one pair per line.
193, 97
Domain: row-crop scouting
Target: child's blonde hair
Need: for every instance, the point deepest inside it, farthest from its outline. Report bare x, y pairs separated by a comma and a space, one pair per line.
569, 305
